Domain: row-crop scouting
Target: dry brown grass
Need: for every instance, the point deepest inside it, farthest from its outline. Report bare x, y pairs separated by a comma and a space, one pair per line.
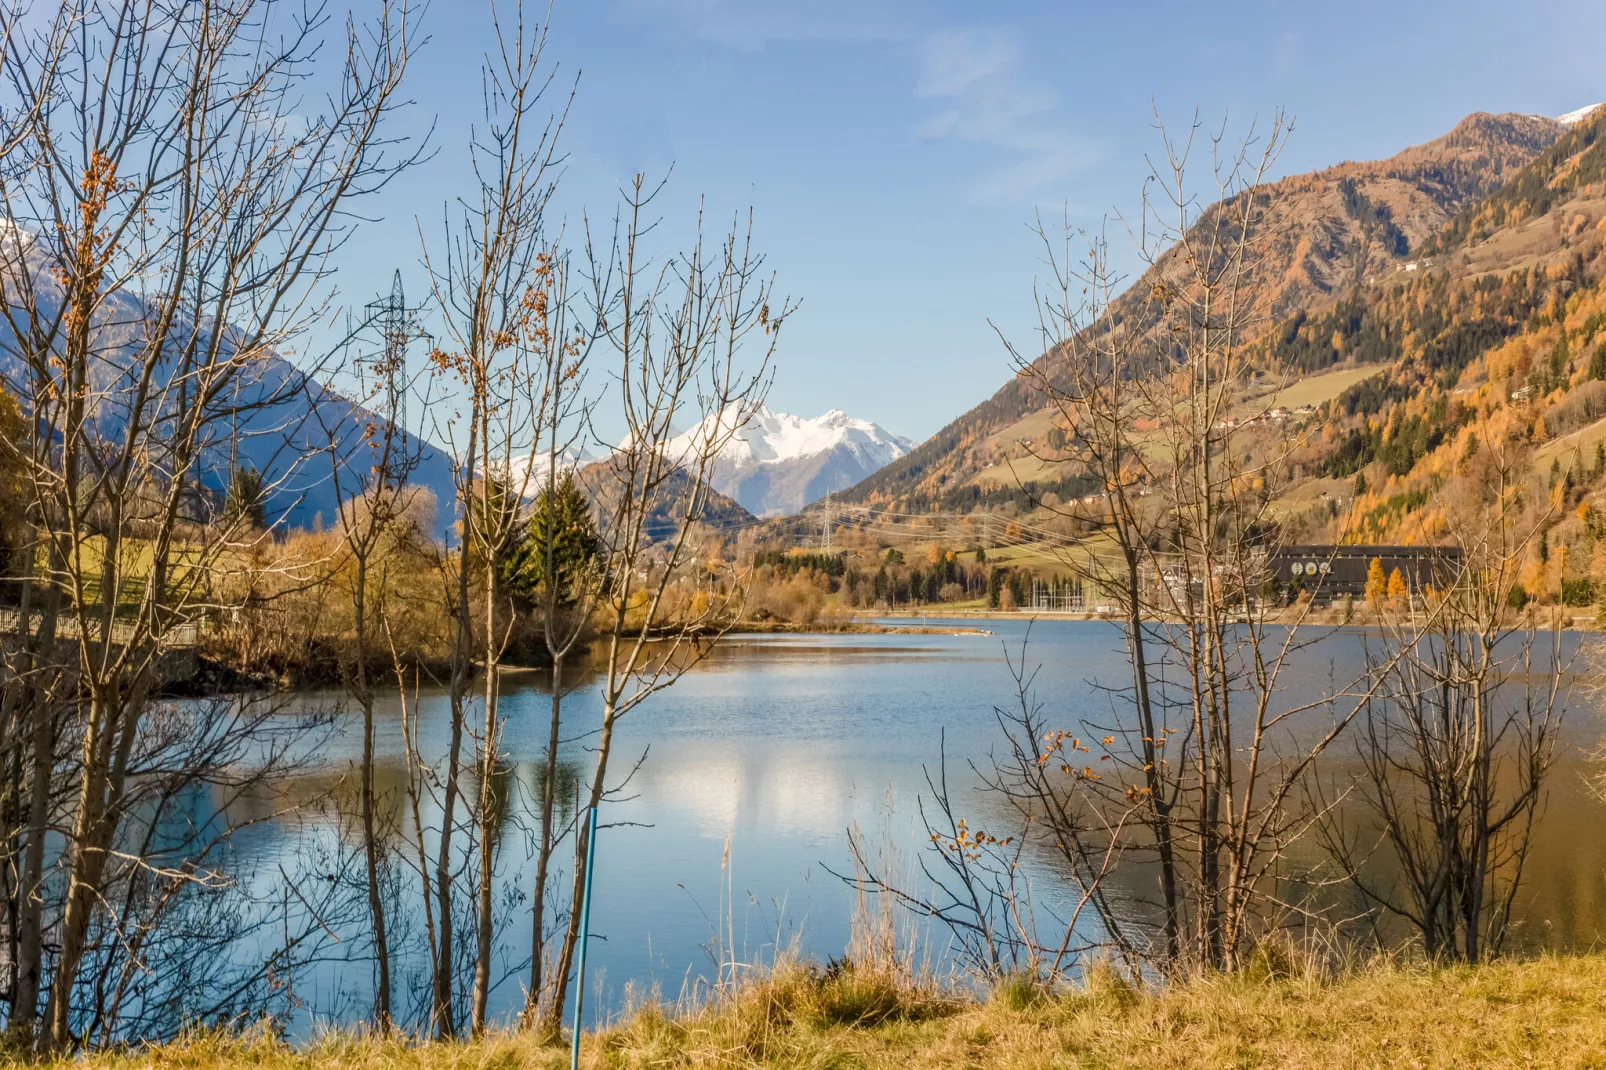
1548, 1012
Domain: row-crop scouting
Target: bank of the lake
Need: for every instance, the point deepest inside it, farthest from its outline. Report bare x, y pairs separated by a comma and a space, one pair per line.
1543, 1012
1542, 618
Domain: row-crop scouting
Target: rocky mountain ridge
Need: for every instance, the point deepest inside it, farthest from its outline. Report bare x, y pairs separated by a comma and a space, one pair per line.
1337, 229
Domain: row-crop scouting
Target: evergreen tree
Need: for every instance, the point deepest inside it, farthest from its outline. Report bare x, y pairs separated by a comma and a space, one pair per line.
1600, 456
560, 531
1020, 589
1597, 363
247, 499
1360, 484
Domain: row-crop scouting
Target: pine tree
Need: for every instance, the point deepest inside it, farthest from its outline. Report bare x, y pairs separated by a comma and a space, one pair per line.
1597, 363
246, 501
560, 529
1020, 589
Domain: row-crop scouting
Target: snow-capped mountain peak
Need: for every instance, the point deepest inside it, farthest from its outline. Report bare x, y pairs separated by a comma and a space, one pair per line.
777, 463
529, 470
770, 437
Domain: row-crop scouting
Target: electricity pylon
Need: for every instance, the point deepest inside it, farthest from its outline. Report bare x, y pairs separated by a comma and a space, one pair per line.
398, 327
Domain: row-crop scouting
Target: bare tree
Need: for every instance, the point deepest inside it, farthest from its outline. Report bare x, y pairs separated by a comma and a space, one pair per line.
692, 338
494, 290
1459, 734
1192, 778
370, 478
1149, 389
170, 210
560, 559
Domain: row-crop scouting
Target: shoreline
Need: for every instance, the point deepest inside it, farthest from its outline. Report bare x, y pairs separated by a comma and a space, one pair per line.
852, 627
1571, 622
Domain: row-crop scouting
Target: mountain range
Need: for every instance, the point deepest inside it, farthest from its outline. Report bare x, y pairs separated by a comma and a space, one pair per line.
1480, 201
1400, 289
275, 418
298, 433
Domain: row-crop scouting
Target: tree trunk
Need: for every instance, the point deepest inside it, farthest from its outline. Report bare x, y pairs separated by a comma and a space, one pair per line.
543, 859
571, 935
30, 890
487, 822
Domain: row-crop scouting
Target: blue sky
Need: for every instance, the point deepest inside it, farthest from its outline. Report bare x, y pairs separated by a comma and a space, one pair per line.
895, 151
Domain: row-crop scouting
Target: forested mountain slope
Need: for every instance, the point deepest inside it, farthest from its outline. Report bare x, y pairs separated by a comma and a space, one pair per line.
1401, 396
1338, 231
286, 425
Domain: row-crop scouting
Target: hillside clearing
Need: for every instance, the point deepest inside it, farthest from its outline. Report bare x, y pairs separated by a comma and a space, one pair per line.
1018, 467
1316, 389
1582, 440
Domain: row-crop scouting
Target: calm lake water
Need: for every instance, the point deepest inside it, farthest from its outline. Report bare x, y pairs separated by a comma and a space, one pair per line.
755, 764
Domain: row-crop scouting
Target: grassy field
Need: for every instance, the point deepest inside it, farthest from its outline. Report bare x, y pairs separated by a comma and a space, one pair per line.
1013, 470
1315, 389
1580, 443
1540, 1013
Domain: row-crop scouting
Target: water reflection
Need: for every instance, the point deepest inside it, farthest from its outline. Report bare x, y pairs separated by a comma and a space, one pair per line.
763, 757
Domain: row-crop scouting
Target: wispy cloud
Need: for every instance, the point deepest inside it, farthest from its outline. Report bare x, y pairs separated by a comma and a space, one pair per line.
976, 75
1289, 52
988, 99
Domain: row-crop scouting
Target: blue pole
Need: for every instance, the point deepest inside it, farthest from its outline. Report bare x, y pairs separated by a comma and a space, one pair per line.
585, 938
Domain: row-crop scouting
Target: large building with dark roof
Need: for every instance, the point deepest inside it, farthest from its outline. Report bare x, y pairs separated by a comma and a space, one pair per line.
1330, 572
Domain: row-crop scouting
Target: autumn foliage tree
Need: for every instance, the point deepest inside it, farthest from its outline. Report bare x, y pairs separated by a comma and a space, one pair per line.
1377, 583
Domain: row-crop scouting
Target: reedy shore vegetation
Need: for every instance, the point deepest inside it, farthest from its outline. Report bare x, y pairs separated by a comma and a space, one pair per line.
1539, 1012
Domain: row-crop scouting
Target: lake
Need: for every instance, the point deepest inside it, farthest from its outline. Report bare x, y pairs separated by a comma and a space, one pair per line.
756, 763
